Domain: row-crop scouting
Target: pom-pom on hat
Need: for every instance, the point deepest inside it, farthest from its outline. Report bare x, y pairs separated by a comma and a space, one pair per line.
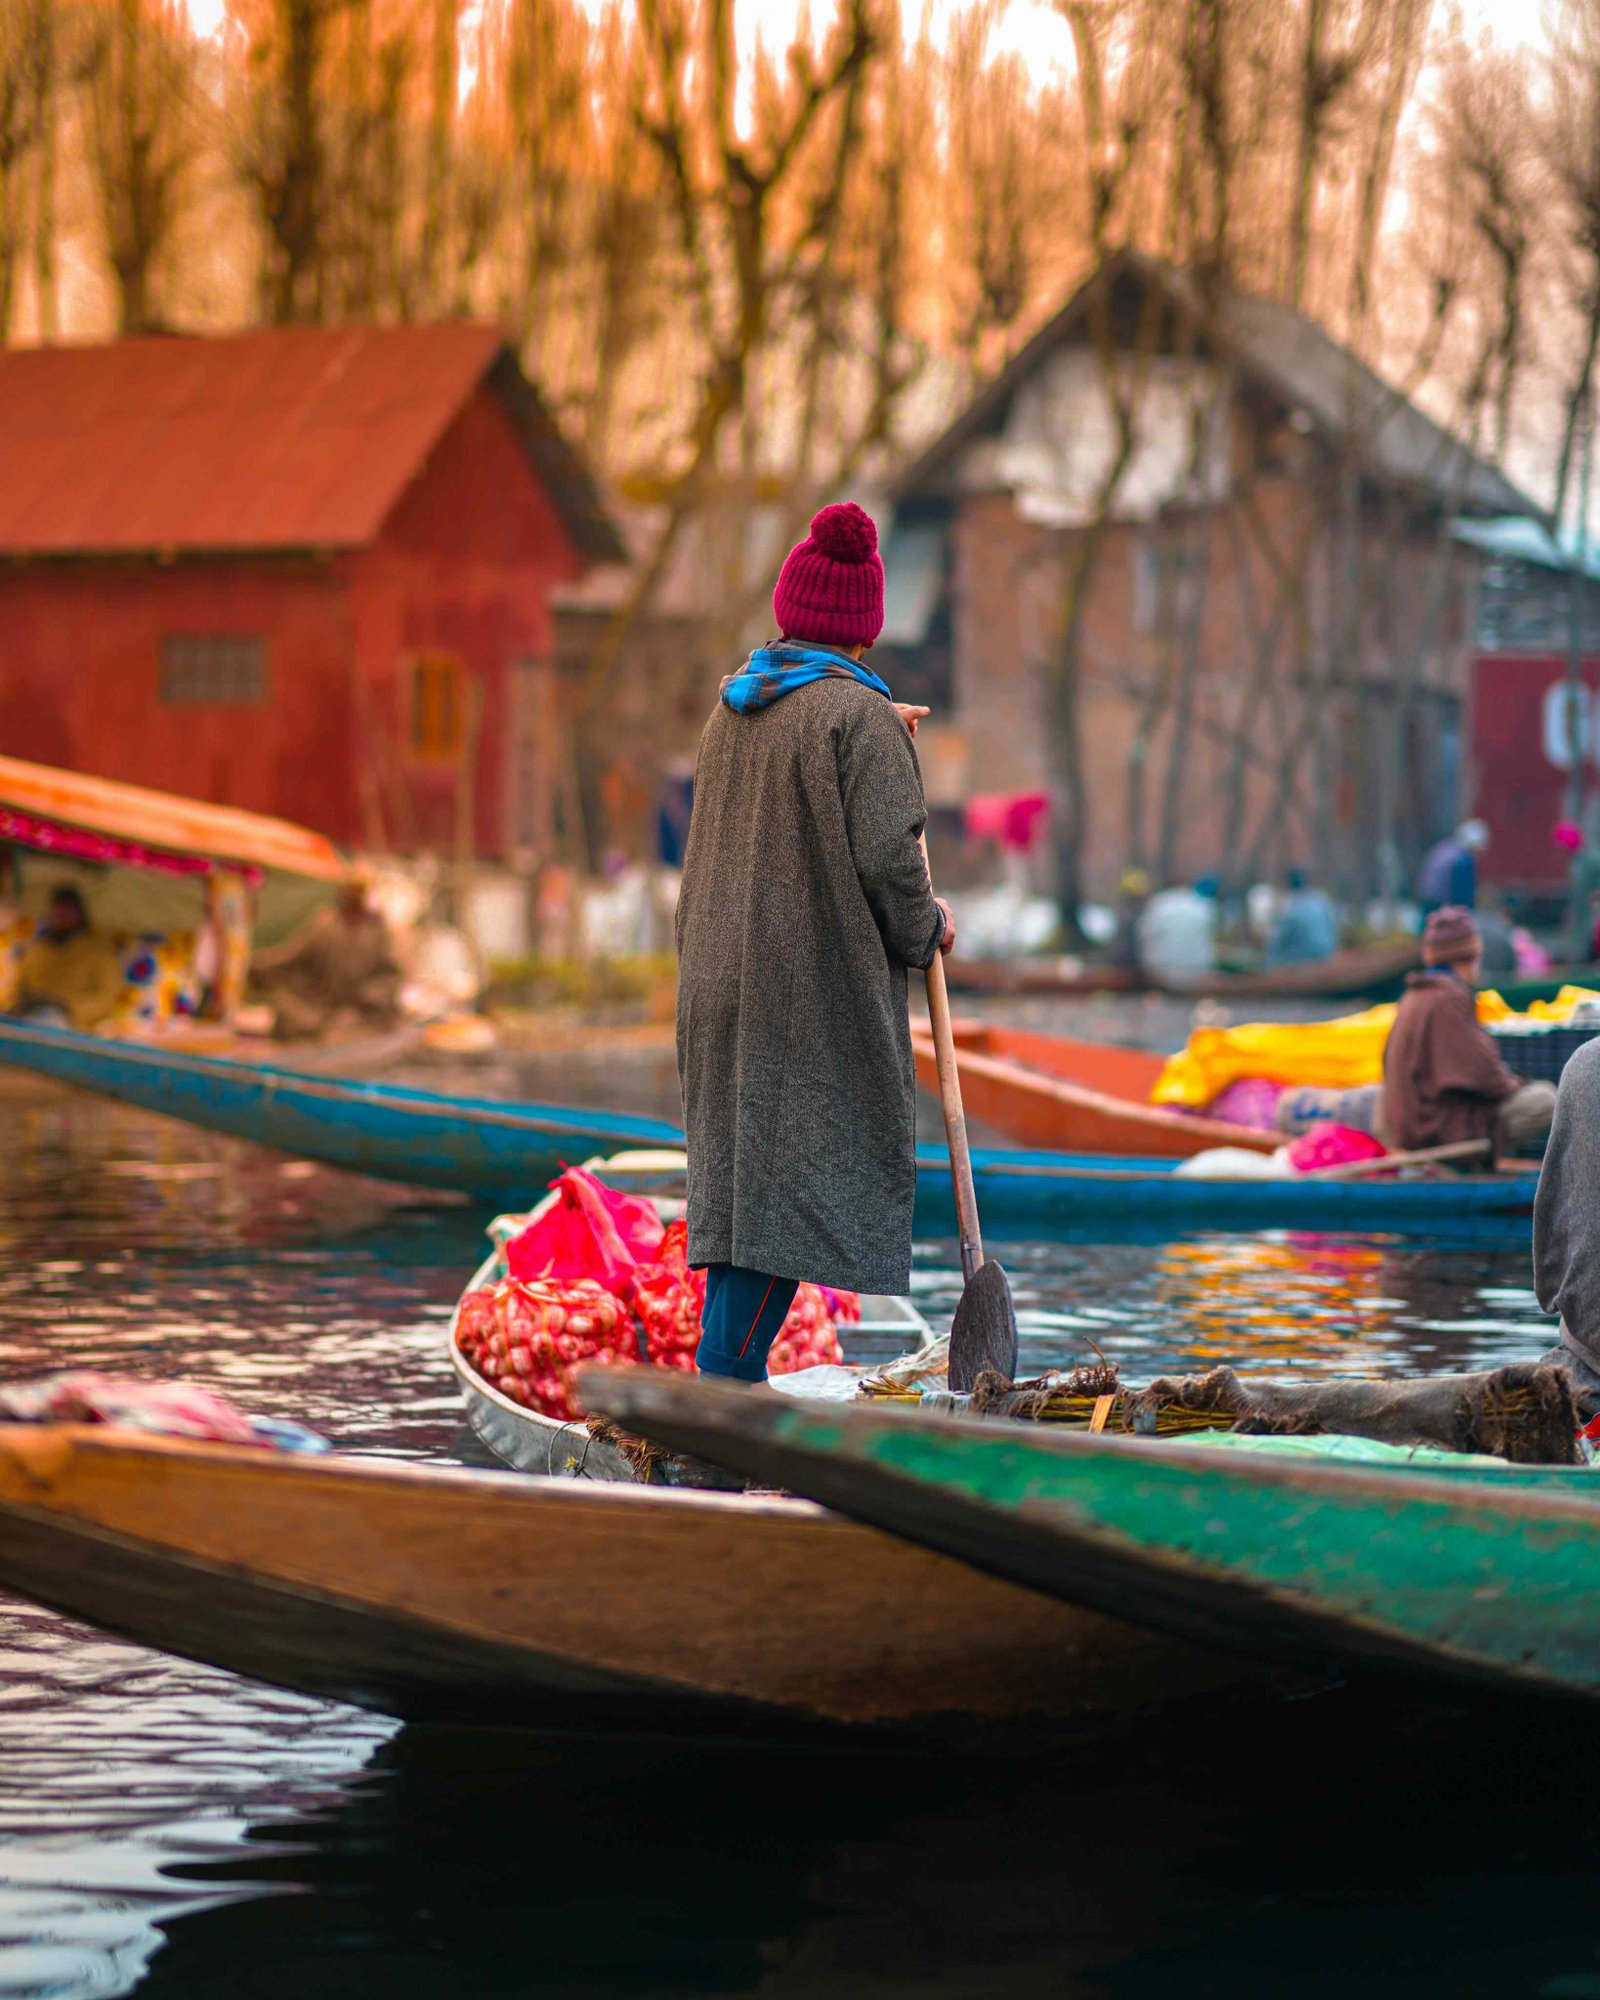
831, 585
1451, 937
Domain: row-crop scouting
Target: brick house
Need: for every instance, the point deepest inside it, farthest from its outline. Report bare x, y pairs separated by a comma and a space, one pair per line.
306, 571
1276, 622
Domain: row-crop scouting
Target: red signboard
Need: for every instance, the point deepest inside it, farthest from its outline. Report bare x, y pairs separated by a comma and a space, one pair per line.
1519, 762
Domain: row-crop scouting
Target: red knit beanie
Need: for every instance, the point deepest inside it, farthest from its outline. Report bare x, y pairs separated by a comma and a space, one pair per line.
831, 584
1451, 937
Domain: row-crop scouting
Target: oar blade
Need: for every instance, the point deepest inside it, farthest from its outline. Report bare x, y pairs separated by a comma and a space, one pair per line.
983, 1333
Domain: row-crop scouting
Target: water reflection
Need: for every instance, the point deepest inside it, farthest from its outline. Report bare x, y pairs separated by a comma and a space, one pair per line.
1280, 1303
140, 1790
122, 1771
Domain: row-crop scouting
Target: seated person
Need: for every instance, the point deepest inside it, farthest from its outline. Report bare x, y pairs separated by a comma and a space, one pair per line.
1443, 1080
1176, 934
1307, 930
339, 971
71, 975
1566, 1240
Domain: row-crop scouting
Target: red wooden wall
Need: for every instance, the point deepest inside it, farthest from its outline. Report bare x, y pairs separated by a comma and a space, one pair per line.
1517, 788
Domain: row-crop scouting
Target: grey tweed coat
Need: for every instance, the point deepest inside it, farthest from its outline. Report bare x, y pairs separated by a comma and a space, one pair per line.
804, 900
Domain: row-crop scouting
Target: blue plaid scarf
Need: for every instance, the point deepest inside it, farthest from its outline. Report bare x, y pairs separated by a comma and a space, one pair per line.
771, 672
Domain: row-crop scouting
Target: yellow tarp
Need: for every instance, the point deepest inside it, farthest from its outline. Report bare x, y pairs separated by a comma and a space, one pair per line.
1334, 1055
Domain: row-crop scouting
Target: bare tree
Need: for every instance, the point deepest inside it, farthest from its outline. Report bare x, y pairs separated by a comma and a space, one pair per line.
1571, 147
748, 225
143, 140
23, 66
1486, 138
283, 151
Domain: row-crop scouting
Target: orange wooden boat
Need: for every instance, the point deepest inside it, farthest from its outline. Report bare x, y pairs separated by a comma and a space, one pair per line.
1060, 1095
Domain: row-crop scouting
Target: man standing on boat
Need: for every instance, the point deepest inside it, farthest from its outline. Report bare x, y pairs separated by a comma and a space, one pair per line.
805, 899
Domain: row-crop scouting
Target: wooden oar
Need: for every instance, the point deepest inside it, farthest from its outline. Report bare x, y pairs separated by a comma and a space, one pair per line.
983, 1333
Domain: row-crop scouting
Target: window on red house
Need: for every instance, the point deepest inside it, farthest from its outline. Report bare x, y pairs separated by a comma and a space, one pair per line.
436, 707
226, 669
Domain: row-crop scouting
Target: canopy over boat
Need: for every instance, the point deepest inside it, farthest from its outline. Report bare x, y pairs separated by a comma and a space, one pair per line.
43, 808
144, 858
155, 869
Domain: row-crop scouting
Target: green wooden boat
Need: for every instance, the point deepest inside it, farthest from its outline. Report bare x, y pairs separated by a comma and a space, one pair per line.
1465, 1570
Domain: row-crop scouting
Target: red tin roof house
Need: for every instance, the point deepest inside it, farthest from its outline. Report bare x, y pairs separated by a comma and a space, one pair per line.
306, 571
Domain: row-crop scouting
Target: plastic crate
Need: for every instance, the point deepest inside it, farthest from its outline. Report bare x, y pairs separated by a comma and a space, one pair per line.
1541, 1052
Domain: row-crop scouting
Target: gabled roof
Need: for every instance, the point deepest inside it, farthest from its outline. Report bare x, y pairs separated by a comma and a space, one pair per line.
1284, 351
288, 438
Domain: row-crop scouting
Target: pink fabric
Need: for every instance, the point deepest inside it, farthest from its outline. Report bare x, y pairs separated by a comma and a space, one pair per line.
591, 1231
1251, 1101
1532, 958
78, 844
831, 585
1013, 819
1333, 1146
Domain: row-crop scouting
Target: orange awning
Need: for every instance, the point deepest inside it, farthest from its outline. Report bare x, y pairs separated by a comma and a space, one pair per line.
160, 819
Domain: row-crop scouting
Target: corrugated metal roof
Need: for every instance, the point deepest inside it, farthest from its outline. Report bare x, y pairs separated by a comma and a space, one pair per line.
289, 438
1522, 540
1292, 355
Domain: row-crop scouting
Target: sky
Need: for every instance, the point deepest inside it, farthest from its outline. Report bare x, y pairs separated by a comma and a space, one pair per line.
1031, 27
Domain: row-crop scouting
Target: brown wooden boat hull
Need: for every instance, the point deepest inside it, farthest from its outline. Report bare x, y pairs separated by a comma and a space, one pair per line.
449, 1594
1061, 1095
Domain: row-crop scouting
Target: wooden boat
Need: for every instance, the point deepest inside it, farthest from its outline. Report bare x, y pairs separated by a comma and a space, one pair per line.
155, 867
448, 1594
1371, 972
497, 1152
504, 1153
1054, 978
1368, 972
1466, 1571
1049, 1090
528, 1441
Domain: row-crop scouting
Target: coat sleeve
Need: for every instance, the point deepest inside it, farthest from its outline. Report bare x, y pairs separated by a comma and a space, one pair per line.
884, 812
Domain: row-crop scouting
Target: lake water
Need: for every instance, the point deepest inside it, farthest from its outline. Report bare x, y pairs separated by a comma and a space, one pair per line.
172, 1829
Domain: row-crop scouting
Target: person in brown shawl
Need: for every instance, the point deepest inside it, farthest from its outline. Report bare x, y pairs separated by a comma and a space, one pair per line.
805, 899
1443, 1080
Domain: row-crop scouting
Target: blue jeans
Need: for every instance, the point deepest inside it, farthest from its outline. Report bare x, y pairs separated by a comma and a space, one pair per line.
744, 1310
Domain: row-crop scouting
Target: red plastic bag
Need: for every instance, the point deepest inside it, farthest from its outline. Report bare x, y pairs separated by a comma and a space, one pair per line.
591, 1231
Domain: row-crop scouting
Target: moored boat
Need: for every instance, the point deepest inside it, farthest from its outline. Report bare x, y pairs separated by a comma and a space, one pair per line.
456, 1595
1089, 1097
179, 889
1458, 1569
1371, 972
503, 1153
529, 1441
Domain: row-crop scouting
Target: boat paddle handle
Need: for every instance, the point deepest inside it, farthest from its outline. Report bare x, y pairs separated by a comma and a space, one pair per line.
955, 1118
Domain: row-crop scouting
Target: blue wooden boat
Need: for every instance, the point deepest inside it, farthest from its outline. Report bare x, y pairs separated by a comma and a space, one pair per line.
504, 1153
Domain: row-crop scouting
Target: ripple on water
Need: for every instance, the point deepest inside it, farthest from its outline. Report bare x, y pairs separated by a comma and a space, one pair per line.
132, 1244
